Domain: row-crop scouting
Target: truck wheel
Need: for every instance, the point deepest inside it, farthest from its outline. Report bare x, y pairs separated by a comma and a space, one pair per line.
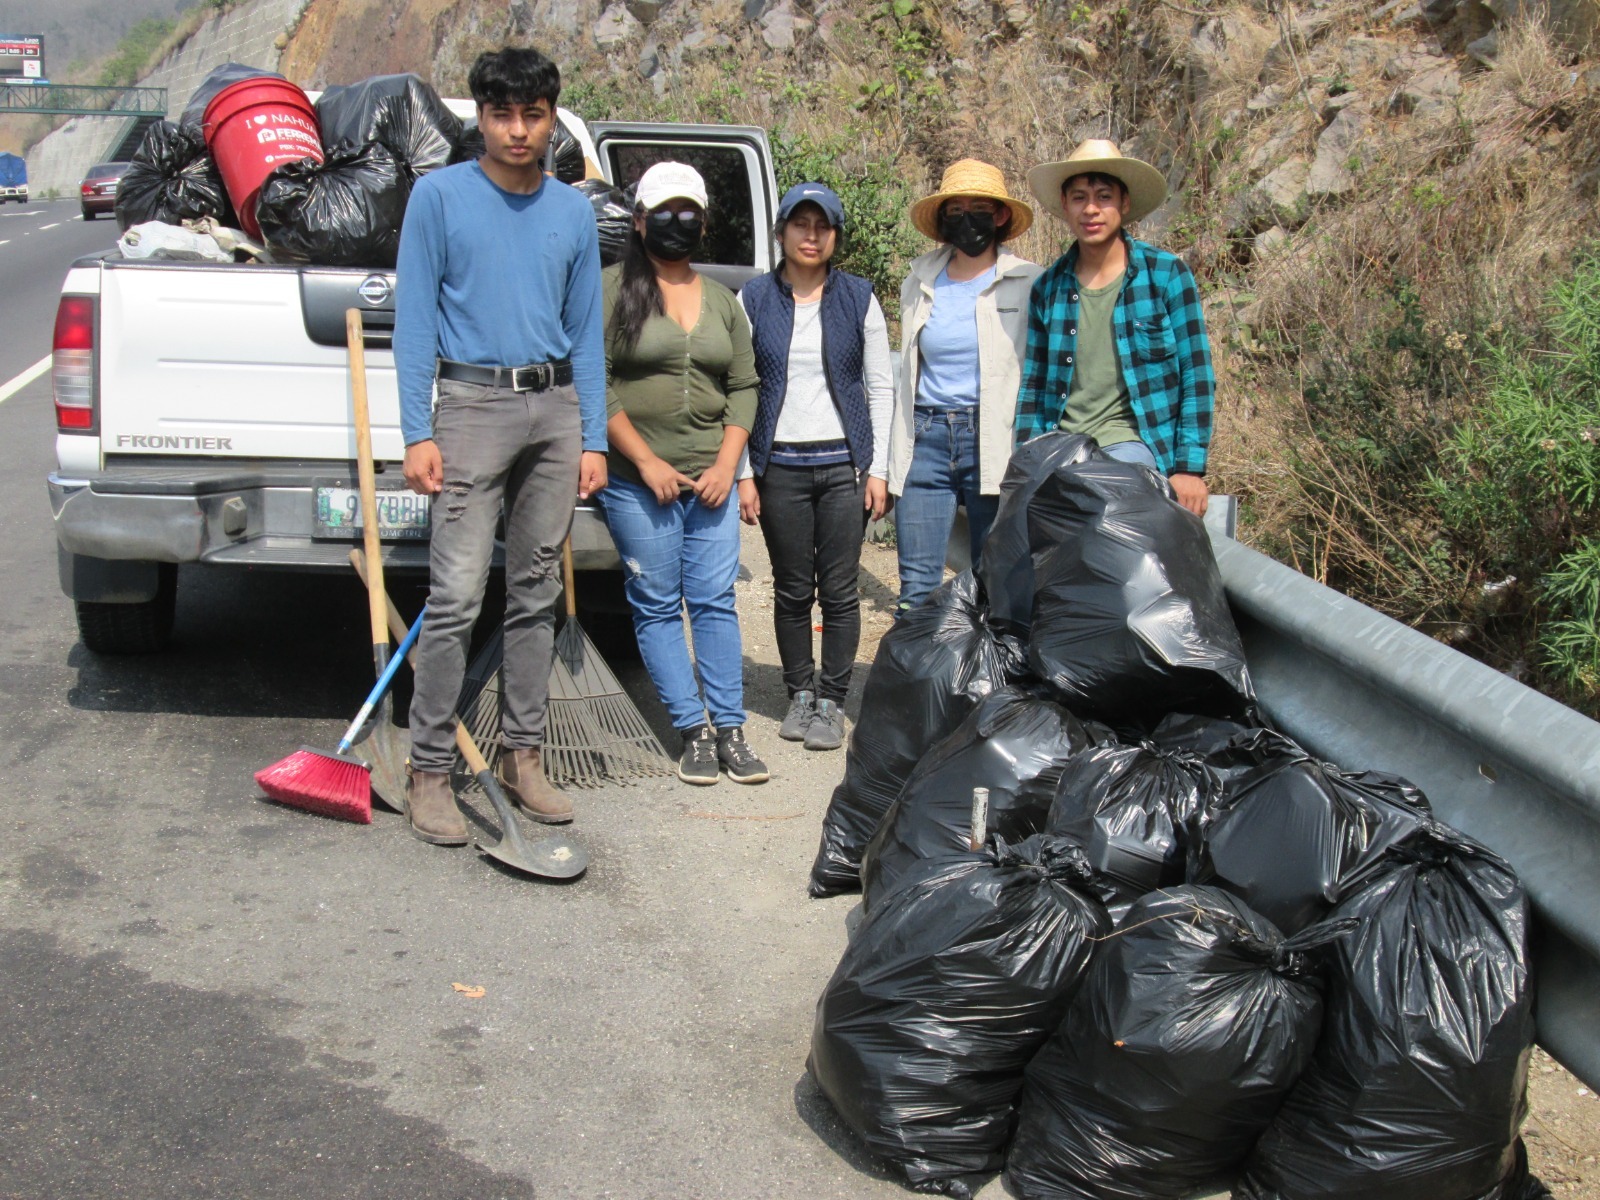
142, 628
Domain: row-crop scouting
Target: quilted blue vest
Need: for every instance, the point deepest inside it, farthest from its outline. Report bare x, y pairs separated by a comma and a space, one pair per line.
845, 300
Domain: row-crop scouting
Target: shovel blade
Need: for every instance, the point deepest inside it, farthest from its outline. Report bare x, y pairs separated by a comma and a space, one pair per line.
383, 748
554, 857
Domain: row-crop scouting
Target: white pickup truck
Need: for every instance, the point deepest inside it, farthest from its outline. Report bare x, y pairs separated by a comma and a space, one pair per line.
203, 410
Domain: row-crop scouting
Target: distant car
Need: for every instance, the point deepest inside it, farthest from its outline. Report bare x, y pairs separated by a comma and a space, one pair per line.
13, 179
98, 191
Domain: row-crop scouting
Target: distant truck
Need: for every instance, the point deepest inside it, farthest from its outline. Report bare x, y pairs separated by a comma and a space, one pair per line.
13, 179
203, 411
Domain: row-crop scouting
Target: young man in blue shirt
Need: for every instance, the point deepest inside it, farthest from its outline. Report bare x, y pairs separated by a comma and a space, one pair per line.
498, 300
1117, 345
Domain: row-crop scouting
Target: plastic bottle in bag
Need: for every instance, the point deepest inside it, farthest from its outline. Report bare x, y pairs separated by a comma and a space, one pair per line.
1015, 745
946, 992
931, 670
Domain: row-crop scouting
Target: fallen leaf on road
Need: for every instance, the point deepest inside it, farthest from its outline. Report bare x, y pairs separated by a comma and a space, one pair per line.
469, 990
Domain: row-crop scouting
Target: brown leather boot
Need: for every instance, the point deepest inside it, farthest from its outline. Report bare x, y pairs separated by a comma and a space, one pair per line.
431, 809
521, 773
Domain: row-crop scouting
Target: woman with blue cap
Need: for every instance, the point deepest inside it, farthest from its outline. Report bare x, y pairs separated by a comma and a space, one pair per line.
818, 451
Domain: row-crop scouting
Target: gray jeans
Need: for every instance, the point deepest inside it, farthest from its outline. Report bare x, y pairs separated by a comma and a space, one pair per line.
519, 449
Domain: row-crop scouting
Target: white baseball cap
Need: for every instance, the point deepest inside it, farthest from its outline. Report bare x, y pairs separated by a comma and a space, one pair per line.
670, 181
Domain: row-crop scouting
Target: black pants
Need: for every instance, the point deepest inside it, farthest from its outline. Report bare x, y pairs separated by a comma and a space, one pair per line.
813, 519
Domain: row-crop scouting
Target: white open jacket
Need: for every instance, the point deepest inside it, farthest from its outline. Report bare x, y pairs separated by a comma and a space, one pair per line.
1002, 313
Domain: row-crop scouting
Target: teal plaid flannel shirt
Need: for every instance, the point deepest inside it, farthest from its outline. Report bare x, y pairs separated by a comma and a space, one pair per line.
1161, 344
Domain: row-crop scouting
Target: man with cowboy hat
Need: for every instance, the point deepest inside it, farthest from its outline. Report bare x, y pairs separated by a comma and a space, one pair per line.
1117, 345
963, 324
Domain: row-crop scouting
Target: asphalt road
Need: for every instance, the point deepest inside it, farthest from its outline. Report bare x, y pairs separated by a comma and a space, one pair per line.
203, 993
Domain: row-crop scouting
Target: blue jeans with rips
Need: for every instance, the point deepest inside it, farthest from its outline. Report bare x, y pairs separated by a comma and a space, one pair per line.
944, 473
675, 556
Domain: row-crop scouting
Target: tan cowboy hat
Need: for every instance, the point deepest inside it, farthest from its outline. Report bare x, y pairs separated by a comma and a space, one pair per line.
1147, 188
969, 177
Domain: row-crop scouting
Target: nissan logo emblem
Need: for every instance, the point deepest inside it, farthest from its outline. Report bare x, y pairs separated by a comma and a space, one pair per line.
375, 290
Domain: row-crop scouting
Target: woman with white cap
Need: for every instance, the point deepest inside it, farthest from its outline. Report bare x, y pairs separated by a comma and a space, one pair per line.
1117, 345
680, 399
818, 451
963, 323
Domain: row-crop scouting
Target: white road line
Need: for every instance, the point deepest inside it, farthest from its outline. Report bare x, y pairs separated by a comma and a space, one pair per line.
7, 242
52, 225
12, 387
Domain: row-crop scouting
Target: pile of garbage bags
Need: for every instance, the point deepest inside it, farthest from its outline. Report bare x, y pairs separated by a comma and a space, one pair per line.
379, 136
1121, 939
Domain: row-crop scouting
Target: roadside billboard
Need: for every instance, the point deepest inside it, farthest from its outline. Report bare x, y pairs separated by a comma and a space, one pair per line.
22, 56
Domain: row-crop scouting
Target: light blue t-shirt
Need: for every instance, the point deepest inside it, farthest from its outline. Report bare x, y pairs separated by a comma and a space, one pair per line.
497, 279
948, 343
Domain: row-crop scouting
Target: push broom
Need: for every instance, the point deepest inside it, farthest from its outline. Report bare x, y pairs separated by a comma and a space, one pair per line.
337, 784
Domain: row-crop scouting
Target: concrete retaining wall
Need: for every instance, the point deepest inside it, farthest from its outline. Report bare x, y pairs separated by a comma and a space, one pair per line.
247, 34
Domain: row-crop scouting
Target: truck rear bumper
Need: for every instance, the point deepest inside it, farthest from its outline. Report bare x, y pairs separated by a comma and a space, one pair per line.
257, 515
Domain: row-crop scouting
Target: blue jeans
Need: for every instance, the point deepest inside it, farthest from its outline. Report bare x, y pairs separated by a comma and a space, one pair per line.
944, 473
677, 555
1131, 452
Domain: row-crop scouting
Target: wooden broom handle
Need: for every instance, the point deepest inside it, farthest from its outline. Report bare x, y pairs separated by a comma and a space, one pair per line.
568, 578
376, 597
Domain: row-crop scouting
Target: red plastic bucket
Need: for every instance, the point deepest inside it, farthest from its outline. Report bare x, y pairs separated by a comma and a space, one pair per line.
253, 126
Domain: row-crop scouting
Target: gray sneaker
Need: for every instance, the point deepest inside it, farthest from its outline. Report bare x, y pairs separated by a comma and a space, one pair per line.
826, 731
798, 720
698, 761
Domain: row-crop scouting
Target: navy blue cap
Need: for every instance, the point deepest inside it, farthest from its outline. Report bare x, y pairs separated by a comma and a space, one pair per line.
820, 194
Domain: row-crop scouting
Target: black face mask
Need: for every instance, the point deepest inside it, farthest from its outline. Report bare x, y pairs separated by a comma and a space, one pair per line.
969, 232
674, 240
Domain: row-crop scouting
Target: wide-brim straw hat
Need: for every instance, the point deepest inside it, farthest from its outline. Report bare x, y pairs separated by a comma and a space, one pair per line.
1147, 187
975, 180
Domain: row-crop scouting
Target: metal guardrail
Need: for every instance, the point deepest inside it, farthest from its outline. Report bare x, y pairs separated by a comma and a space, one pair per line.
82, 100
1499, 761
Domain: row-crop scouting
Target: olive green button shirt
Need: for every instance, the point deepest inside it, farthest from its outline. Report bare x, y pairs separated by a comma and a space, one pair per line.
681, 389
1097, 404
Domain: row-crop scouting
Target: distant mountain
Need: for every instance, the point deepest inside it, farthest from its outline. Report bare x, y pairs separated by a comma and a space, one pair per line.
80, 30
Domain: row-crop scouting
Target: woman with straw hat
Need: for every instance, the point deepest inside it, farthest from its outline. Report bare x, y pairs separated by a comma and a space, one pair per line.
963, 324
1117, 344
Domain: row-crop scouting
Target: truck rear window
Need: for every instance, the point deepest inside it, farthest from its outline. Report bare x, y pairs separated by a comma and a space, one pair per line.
730, 238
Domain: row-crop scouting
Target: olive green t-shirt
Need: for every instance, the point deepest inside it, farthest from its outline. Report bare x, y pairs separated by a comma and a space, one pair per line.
1098, 403
681, 389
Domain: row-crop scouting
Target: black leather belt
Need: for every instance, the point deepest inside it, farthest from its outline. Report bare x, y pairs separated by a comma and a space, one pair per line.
535, 377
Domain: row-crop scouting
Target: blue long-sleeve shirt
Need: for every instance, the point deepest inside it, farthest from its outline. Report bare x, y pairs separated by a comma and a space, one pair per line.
495, 279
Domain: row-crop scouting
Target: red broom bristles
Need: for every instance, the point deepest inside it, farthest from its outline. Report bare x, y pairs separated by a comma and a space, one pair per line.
329, 784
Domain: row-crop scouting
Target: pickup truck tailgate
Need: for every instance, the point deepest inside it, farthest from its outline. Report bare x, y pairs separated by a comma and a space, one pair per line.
218, 361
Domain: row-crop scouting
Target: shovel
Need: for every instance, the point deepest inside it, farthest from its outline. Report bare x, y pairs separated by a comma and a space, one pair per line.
553, 857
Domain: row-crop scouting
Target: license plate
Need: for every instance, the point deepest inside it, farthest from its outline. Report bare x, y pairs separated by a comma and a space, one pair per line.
401, 514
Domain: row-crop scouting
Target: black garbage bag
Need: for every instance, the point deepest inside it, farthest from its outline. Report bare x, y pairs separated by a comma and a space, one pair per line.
1229, 748
172, 179
1294, 836
565, 155
1014, 744
948, 989
1006, 568
932, 668
1191, 1026
343, 212
400, 112
1418, 1086
220, 78
1132, 809
613, 218
469, 146
1129, 617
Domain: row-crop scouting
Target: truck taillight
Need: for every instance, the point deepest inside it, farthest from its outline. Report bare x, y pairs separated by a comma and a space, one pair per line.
73, 373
